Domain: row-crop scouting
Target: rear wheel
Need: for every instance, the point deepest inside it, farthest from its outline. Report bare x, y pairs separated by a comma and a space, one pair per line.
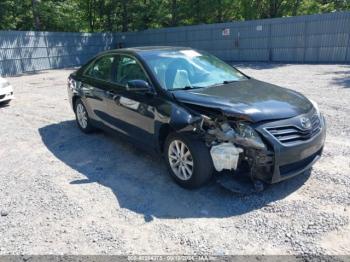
82, 117
188, 160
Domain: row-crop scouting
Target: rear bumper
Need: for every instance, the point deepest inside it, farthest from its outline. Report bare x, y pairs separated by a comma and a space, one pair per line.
291, 160
6, 94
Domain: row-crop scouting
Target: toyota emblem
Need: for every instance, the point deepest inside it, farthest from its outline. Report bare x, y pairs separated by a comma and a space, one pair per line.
305, 122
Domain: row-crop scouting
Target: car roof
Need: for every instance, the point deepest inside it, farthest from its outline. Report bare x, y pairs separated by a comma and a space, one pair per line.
156, 48
146, 49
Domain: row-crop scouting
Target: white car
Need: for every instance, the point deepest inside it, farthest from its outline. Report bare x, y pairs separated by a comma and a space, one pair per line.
6, 91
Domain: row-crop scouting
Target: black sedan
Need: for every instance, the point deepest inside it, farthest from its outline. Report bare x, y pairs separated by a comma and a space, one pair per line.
199, 112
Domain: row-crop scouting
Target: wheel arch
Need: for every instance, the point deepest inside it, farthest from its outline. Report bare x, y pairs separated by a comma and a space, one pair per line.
180, 121
74, 100
163, 131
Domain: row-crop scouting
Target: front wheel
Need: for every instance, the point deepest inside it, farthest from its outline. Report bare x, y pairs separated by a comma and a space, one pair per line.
82, 117
188, 160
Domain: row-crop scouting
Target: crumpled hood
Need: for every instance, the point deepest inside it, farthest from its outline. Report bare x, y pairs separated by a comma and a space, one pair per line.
251, 99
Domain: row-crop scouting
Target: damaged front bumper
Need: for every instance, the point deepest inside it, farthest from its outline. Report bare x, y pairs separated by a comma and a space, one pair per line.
288, 158
288, 148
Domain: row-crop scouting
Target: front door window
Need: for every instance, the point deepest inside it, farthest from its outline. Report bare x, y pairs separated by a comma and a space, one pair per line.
129, 69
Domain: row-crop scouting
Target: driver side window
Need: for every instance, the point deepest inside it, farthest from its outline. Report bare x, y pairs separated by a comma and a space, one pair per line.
129, 69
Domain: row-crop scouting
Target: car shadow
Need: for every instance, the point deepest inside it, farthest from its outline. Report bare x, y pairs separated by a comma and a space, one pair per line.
140, 181
341, 77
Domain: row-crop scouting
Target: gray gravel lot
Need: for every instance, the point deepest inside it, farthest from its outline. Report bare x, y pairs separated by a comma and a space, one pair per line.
63, 192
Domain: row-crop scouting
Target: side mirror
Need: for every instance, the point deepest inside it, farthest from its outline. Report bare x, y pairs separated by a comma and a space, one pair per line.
138, 85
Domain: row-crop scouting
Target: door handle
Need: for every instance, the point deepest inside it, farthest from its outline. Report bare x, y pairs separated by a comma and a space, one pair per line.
112, 94
86, 87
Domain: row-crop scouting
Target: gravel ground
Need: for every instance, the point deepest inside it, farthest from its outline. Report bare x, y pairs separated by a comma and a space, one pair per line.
63, 192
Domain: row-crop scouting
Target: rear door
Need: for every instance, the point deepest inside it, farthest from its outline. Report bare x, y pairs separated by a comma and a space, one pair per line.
96, 82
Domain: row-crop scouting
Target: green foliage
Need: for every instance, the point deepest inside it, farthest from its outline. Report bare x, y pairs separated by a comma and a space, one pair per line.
15, 15
130, 15
56, 15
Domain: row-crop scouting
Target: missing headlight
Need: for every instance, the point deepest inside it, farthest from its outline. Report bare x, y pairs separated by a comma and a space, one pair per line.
248, 137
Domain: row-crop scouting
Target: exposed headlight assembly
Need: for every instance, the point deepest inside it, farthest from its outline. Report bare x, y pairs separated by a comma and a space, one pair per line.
248, 137
239, 133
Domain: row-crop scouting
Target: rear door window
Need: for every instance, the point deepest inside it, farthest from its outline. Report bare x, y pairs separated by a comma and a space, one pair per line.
102, 68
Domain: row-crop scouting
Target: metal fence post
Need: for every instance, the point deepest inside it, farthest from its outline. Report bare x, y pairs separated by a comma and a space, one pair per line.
21, 57
47, 49
347, 50
305, 41
269, 43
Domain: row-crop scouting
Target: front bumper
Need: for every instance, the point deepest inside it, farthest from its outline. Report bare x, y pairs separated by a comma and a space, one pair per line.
289, 160
6, 94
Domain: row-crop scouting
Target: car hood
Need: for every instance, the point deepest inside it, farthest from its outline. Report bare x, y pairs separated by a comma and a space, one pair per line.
249, 99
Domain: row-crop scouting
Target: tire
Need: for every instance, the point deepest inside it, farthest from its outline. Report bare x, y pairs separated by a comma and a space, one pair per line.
82, 118
199, 156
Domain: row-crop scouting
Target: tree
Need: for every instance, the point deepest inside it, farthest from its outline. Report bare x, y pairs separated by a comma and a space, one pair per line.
126, 15
36, 16
6, 15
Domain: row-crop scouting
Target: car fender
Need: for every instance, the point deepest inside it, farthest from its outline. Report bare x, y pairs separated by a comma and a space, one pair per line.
182, 120
75, 92
175, 119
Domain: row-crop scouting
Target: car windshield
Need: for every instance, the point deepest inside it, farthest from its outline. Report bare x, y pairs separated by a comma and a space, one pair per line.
189, 69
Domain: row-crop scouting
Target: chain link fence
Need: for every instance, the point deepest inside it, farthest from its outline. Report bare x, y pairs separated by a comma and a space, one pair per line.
323, 38
33, 51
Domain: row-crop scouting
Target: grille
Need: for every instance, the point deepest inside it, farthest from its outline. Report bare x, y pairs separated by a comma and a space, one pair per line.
292, 134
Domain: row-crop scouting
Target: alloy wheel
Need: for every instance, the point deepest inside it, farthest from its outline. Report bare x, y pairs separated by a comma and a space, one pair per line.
180, 159
82, 116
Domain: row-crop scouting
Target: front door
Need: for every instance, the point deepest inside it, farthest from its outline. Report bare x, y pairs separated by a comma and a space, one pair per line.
133, 111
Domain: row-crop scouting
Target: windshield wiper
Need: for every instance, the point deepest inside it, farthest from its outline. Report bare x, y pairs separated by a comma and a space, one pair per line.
224, 83
197, 87
188, 88
229, 81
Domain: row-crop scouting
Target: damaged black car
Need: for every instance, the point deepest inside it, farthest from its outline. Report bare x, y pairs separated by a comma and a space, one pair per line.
203, 115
